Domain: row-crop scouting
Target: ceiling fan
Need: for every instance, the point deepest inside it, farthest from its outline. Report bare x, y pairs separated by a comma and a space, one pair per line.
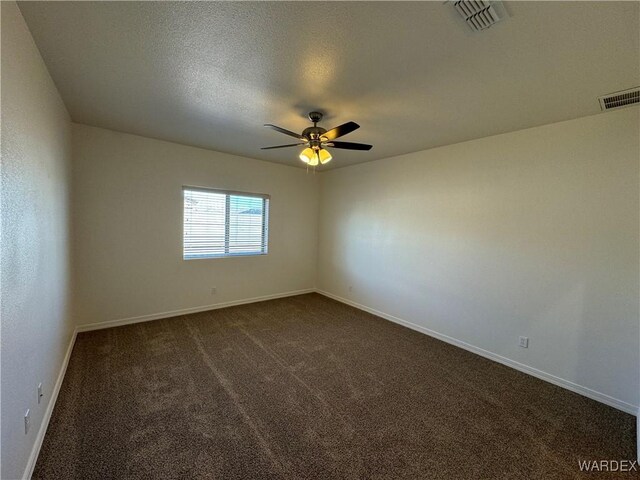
316, 139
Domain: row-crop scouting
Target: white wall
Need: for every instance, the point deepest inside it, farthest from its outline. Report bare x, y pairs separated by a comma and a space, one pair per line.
128, 227
36, 325
531, 233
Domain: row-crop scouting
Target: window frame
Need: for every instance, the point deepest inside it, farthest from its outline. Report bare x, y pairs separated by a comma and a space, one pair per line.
265, 222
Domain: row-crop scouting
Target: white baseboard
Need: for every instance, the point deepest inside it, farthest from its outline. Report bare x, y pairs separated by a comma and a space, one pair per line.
174, 313
561, 382
35, 450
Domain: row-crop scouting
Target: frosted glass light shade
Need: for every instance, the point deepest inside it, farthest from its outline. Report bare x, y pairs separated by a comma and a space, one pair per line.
307, 155
325, 156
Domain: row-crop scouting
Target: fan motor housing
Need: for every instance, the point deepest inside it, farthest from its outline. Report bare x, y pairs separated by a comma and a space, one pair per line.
313, 133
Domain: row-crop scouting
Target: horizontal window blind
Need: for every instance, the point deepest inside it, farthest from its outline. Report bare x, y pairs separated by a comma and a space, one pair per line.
220, 223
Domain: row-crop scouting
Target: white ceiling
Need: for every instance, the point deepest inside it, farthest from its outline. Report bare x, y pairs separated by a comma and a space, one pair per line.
410, 73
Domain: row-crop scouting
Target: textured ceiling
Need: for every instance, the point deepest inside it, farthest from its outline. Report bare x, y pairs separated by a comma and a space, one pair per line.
411, 74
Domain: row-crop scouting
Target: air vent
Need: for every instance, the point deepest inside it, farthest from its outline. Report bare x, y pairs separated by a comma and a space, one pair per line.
479, 14
620, 99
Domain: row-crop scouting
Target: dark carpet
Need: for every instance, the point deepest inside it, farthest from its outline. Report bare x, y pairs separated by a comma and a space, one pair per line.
306, 387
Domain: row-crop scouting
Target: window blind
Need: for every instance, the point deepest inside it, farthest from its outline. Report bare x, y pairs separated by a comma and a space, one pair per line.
220, 223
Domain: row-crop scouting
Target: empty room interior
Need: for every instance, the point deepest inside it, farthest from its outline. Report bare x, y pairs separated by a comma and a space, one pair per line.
320, 240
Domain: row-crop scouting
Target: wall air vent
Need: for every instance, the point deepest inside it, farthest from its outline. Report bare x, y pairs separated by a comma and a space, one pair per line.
480, 14
620, 99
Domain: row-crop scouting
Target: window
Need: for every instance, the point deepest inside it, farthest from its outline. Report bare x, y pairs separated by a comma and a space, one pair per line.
219, 223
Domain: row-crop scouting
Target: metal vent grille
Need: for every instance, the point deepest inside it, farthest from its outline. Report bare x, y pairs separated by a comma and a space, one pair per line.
620, 99
478, 14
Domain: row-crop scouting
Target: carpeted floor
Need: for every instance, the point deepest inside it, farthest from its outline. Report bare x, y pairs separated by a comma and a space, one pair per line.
306, 387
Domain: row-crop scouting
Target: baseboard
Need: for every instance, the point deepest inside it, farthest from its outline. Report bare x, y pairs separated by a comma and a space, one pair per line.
174, 313
35, 450
574, 387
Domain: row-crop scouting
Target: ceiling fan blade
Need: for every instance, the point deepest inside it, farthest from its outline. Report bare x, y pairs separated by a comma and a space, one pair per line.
283, 130
283, 146
350, 145
341, 130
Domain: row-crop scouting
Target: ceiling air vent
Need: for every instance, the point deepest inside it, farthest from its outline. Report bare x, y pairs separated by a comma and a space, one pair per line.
620, 99
479, 14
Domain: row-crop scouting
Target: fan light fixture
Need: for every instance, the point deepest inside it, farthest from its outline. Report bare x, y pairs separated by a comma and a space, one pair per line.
316, 139
312, 157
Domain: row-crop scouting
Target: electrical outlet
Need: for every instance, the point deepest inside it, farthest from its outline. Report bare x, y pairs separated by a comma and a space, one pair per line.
40, 392
524, 342
214, 290
27, 421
